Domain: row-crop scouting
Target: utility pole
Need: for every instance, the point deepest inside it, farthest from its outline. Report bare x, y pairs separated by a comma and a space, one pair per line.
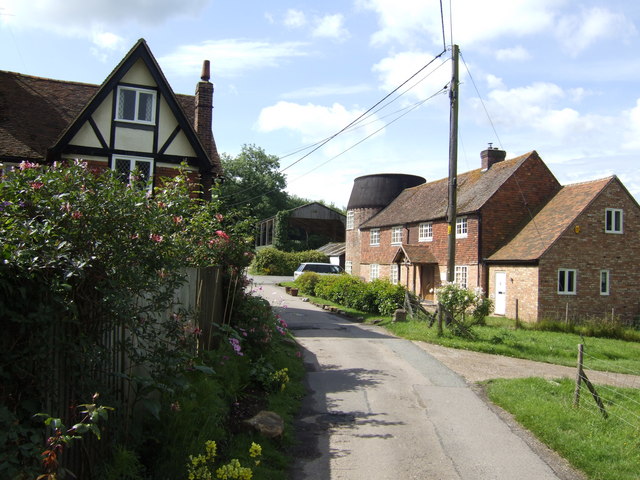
453, 164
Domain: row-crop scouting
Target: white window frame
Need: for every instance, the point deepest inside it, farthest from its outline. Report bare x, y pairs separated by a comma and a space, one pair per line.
396, 235
374, 271
374, 237
350, 219
132, 165
461, 277
605, 282
425, 232
614, 220
348, 266
138, 91
461, 227
394, 274
568, 280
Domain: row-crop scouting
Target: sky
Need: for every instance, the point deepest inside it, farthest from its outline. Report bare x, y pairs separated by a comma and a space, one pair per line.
561, 77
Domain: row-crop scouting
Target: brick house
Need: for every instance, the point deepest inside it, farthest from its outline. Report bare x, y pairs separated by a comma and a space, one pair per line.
501, 208
574, 259
132, 121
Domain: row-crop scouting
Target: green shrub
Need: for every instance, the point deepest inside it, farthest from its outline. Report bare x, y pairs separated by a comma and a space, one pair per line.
307, 282
378, 296
271, 261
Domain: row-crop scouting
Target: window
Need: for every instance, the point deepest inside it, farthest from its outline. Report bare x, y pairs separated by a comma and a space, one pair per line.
136, 105
566, 281
461, 227
613, 220
374, 236
348, 266
374, 271
142, 167
395, 273
396, 235
350, 219
425, 232
461, 275
604, 282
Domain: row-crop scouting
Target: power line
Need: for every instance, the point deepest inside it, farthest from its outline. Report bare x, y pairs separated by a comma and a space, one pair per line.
357, 120
365, 113
408, 110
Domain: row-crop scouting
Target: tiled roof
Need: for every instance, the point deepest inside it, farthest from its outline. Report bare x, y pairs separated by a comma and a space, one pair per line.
34, 112
414, 254
547, 226
429, 201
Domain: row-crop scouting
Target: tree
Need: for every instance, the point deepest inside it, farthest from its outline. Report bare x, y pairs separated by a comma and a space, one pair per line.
252, 181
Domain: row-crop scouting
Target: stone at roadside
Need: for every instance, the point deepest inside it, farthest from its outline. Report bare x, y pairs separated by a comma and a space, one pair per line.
268, 423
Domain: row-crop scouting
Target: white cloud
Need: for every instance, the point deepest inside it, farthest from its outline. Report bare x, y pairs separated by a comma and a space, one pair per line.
393, 71
518, 53
579, 31
494, 82
331, 26
409, 22
632, 134
316, 122
230, 57
96, 20
295, 19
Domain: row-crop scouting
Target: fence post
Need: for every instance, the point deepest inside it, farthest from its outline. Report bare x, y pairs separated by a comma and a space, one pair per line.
576, 392
440, 313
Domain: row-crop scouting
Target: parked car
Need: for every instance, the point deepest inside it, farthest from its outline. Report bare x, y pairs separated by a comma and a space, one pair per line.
321, 268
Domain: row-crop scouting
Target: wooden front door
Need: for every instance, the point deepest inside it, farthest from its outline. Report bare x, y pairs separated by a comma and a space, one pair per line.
427, 282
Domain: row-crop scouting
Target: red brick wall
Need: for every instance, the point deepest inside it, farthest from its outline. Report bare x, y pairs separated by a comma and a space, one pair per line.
590, 251
512, 206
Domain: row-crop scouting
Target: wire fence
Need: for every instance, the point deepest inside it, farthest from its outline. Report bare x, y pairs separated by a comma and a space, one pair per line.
614, 395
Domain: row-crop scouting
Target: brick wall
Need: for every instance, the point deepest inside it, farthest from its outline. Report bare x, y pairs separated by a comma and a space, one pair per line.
521, 289
513, 205
590, 251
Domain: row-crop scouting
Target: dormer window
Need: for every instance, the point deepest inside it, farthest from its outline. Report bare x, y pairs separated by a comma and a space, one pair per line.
137, 105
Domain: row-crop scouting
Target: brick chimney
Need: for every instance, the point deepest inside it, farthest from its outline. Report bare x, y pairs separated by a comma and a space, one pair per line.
490, 156
204, 108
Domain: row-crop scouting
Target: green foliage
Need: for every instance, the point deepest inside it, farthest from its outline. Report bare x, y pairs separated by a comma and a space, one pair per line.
123, 465
468, 307
83, 256
253, 178
307, 282
271, 261
378, 296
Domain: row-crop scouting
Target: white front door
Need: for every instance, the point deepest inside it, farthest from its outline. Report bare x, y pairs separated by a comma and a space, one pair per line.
501, 293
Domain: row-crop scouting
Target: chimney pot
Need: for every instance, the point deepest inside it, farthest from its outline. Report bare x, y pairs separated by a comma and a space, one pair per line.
206, 71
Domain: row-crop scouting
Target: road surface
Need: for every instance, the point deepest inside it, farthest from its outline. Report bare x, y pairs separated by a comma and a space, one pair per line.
381, 407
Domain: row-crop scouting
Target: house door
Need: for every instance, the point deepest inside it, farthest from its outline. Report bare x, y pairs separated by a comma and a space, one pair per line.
501, 293
427, 285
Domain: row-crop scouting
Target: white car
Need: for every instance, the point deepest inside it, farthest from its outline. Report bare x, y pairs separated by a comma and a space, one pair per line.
320, 268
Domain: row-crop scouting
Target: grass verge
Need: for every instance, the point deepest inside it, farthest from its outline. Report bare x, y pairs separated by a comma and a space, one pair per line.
499, 338
605, 449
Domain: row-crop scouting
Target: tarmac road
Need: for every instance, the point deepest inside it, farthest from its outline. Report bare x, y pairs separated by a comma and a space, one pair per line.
381, 407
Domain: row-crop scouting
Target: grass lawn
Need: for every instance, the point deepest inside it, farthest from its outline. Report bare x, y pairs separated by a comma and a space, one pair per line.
604, 449
501, 338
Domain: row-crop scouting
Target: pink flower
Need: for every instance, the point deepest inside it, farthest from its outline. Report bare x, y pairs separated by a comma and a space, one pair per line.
156, 238
177, 219
221, 234
219, 217
37, 185
28, 165
76, 214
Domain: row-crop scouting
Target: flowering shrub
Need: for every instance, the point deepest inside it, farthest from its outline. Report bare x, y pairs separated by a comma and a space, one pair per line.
89, 265
200, 467
468, 307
